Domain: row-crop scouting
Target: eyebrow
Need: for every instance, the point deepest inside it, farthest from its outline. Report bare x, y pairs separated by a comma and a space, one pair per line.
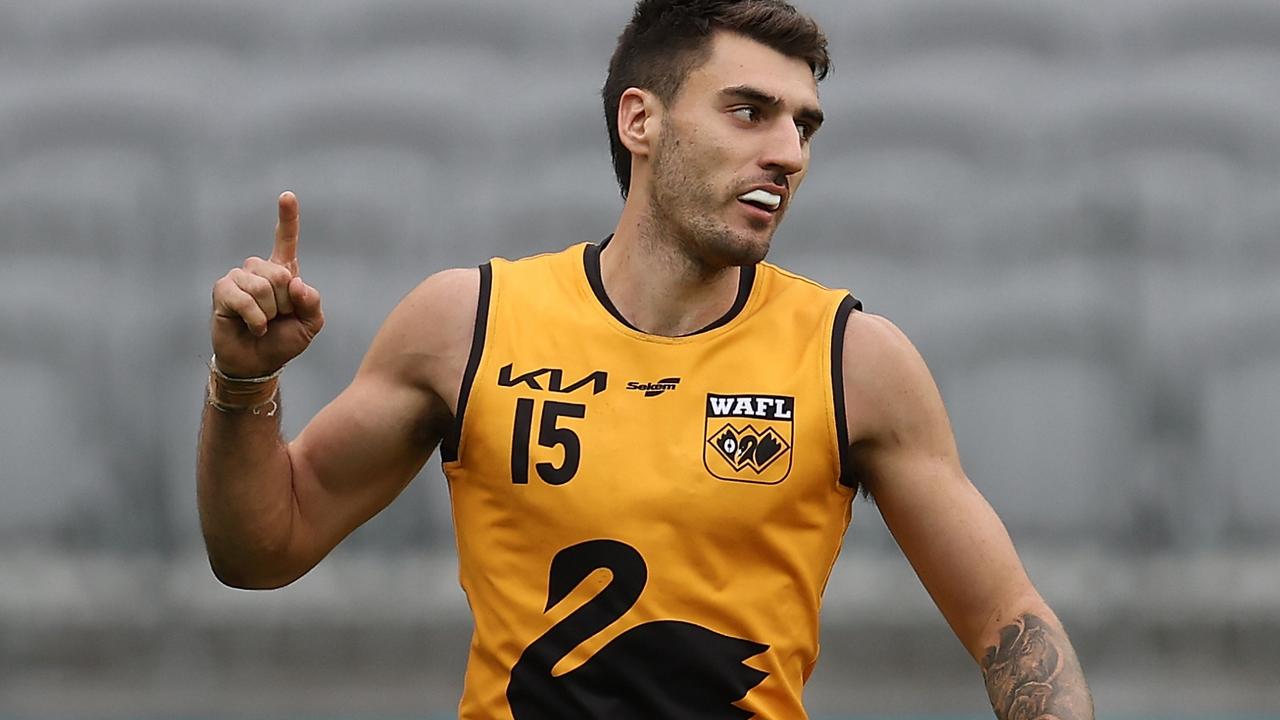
811, 115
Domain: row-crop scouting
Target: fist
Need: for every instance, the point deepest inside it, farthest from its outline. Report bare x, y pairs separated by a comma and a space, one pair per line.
264, 315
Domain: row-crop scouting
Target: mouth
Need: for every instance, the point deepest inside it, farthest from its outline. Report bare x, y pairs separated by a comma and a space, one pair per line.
762, 199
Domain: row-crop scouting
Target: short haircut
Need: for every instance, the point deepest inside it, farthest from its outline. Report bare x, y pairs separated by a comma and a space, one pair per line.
668, 39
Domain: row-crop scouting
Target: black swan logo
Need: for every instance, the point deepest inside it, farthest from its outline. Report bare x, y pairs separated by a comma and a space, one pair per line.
663, 669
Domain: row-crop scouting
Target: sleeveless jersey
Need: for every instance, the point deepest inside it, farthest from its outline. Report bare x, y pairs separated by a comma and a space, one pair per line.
646, 524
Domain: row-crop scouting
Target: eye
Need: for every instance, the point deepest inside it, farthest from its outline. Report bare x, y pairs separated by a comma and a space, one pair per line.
747, 113
806, 131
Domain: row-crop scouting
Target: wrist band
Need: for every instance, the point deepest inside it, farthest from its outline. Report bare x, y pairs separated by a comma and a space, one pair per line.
270, 405
257, 395
213, 366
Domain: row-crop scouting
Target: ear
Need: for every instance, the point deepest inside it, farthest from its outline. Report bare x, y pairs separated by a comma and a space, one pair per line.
639, 119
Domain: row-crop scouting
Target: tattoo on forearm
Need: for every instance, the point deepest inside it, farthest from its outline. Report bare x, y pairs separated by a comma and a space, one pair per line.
1033, 674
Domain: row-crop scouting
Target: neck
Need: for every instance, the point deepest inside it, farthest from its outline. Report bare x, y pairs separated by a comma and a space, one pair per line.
656, 283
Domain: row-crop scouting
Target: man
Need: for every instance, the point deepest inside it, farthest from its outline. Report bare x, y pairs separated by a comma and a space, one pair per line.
663, 406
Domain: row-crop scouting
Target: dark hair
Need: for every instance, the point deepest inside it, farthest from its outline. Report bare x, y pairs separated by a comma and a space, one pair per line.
668, 39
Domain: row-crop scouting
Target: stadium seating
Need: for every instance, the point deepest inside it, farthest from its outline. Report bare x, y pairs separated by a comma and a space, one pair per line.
1234, 367
108, 108
91, 28
884, 31
48, 492
495, 29
85, 204
1241, 404
1036, 191
1256, 227
77, 447
1071, 208
1186, 27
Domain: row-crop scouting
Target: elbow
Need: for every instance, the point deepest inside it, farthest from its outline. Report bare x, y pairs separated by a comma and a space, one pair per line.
1009, 616
242, 577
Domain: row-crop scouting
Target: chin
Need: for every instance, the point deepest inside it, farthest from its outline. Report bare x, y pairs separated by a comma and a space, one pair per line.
743, 249
720, 245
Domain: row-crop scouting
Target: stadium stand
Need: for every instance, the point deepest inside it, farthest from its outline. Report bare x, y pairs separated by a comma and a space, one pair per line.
121, 110
1072, 208
1236, 369
1168, 29
1036, 371
495, 29
965, 139
92, 28
883, 31
84, 205
1256, 227
907, 158
1136, 119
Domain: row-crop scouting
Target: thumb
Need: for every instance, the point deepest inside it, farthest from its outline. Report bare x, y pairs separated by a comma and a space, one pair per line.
285, 250
306, 305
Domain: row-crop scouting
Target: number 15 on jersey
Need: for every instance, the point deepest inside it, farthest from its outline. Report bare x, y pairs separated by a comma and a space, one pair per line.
551, 434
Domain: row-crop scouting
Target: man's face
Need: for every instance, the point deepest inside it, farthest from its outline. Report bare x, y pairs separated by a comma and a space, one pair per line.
733, 148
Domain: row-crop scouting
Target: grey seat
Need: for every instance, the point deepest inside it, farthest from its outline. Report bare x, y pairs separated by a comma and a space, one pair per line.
1241, 413
382, 169
57, 472
882, 31
111, 107
127, 151
1035, 373
102, 204
900, 205
80, 28
1168, 162
1187, 27
971, 106
578, 29
1256, 226
77, 447
1163, 113
1227, 362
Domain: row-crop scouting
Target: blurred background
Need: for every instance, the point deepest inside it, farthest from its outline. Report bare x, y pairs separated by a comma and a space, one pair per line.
1073, 208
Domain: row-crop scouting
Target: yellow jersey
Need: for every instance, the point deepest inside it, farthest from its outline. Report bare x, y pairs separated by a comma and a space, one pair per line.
646, 524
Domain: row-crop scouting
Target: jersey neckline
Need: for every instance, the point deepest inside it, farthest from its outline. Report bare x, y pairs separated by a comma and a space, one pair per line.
591, 265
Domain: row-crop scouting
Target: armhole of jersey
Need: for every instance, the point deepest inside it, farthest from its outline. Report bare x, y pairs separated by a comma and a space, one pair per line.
452, 441
848, 305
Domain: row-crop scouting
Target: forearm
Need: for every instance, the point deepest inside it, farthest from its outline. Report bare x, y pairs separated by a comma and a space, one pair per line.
244, 489
1031, 670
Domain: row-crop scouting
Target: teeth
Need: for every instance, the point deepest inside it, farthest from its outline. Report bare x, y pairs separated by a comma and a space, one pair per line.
762, 197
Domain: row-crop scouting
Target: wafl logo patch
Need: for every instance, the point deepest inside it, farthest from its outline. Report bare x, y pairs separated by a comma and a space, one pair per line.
749, 437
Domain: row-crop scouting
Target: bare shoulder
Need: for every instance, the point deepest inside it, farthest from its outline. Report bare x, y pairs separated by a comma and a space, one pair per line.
878, 355
888, 388
448, 300
427, 337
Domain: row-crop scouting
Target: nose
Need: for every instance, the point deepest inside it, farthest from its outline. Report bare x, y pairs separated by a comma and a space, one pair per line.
783, 152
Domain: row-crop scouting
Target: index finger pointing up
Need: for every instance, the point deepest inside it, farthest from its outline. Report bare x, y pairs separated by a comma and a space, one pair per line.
285, 250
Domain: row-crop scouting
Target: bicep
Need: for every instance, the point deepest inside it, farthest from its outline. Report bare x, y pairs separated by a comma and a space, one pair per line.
356, 456
363, 448
907, 455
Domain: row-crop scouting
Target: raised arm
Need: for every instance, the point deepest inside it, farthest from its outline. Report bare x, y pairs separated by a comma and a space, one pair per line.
270, 510
906, 458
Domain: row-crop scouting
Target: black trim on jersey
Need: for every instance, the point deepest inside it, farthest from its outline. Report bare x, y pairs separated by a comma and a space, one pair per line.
449, 446
847, 306
591, 263
746, 281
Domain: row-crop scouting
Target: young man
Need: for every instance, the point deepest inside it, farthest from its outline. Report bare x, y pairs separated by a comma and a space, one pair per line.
663, 406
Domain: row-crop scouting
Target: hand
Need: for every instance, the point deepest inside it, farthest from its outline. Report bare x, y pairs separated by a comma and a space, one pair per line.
264, 315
